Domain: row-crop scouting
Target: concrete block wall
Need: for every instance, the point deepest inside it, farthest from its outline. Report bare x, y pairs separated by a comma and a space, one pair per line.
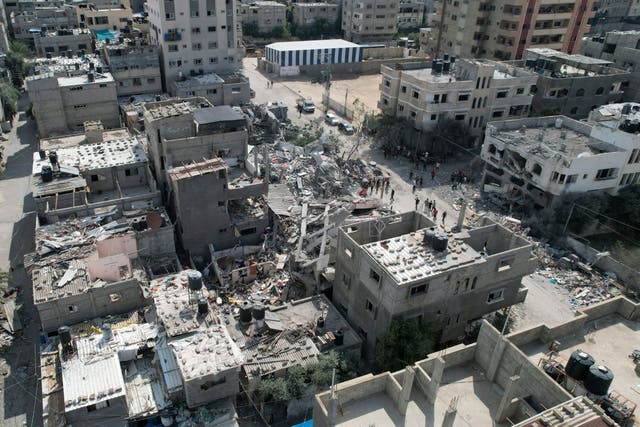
156, 242
201, 390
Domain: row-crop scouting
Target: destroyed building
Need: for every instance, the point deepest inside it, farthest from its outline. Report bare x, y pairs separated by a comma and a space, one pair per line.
543, 158
523, 379
79, 174
404, 266
98, 265
62, 103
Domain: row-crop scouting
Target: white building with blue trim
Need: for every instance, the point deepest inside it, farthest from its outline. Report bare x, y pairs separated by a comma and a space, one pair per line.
287, 58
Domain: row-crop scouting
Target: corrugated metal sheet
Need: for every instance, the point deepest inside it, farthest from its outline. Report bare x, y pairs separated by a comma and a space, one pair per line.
46, 281
169, 365
87, 382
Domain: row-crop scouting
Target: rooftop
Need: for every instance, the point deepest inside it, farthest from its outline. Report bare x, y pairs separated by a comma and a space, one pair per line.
99, 78
195, 169
219, 113
555, 64
406, 258
65, 32
88, 157
60, 65
74, 140
265, 3
623, 116
174, 107
312, 45
567, 57
426, 75
577, 412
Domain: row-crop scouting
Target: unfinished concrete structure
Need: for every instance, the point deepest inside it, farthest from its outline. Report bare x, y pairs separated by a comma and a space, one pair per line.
622, 48
82, 179
134, 65
50, 17
472, 91
265, 16
195, 345
541, 159
395, 267
572, 85
496, 381
62, 105
60, 41
220, 89
235, 211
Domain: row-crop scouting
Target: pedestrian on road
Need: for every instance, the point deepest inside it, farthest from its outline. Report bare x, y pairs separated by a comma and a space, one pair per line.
430, 206
434, 203
393, 193
426, 204
271, 83
444, 215
420, 181
433, 174
413, 188
437, 165
435, 214
410, 174
417, 202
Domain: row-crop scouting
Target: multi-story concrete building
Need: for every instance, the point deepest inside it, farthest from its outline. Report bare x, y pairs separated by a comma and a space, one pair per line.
61, 41
196, 37
308, 13
411, 13
105, 15
230, 88
572, 85
369, 20
134, 65
540, 159
403, 267
198, 148
4, 29
50, 18
472, 91
504, 29
265, 16
62, 104
622, 48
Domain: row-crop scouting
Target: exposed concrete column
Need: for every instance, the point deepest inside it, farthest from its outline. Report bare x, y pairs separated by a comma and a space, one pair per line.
496, 357
436, 378
461, 216
333, 410
510, 392
450, 413
405, 392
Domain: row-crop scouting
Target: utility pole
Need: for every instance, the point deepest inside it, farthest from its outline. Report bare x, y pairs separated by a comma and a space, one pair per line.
327, 81
566, 224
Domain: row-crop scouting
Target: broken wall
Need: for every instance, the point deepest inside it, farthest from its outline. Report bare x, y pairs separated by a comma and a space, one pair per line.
212, 387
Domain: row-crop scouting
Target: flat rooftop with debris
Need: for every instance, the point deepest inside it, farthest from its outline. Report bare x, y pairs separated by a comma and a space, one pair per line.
73, 140
174, 107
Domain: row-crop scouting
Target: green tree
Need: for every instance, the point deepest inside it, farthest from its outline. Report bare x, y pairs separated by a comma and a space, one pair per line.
250, 29
16, 62
626, 205
9, 96
403, 344
274, 389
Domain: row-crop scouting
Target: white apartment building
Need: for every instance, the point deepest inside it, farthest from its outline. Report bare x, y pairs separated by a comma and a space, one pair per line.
473, 91
369, 20
195, 37
265, 15
540, 158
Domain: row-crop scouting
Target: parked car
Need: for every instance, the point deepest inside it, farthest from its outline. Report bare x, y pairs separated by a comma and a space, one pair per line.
331, 119
306, 105
346, 128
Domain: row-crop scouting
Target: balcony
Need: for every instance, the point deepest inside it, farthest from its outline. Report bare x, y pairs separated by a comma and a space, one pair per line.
172, 36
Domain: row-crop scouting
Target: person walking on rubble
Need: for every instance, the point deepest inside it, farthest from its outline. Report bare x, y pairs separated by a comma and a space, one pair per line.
417, 202
435, 214
393, 193
426, 204
444, 215
433, 174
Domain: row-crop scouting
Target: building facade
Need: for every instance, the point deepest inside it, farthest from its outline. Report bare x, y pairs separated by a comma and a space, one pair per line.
572, 85
622, 48
104, 16
471, 91
369, 20
287, 58
394, 268
51, 18
61, 41
411, 14
134, 65
308, 13
504, 29
197, 37
543, 158
264, 16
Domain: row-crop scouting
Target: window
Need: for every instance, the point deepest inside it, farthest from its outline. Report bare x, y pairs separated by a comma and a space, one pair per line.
222, 230
572, 178
151, 80
580, 92
197, 61
400, 107
417, 290
519, 91
502, 94
211, 29
387, 83
403, 89
195, 30
505, 264
213, 60
248, 231
235, 90
474, 282
374, 275
131, 172
635, 156
537, 169
212, 91
72, 308
137, 81
434, 117
574, 110
413, 114
459, 116
77, 107
495, 296
416, 94
497, 114
368, 305
464, 97
603, 174
600, 91
221, 202
213, 45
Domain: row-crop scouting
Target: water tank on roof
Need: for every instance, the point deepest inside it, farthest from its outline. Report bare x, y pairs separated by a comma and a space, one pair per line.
579, 364
452, 59
553, 368
429, 235
446, 66
598, 380
438, 67
440, 242
107, 333
445, 57
203, 306
46, 173
626, 109
194, 278
245, 312
258, 311
320, 322
42, 154
339, 335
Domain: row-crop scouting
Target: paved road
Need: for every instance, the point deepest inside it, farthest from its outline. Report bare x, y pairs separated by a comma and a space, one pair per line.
19, 389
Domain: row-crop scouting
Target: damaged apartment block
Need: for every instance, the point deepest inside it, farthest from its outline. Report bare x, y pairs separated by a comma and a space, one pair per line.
401, 266
199, 154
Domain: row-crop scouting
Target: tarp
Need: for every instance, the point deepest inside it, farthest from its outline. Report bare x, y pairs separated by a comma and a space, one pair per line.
102, 35
305, 424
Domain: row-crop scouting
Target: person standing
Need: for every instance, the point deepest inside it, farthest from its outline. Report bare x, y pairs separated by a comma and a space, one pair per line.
393, 193
433, 174
444, 215
435, 214
426, 204
417, 202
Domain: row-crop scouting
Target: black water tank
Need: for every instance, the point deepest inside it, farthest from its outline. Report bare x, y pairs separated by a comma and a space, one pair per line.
626, 109
91, 77
598, 380
99, 69
320, 322
245, 312
258, 311
429, 235
452, 59
194, 278
42, 154
64, 332
203, 306
446, 66
438, 67
579, 364
92, 65
339, 337
440, 242
46, 173
53, 158
445, 57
